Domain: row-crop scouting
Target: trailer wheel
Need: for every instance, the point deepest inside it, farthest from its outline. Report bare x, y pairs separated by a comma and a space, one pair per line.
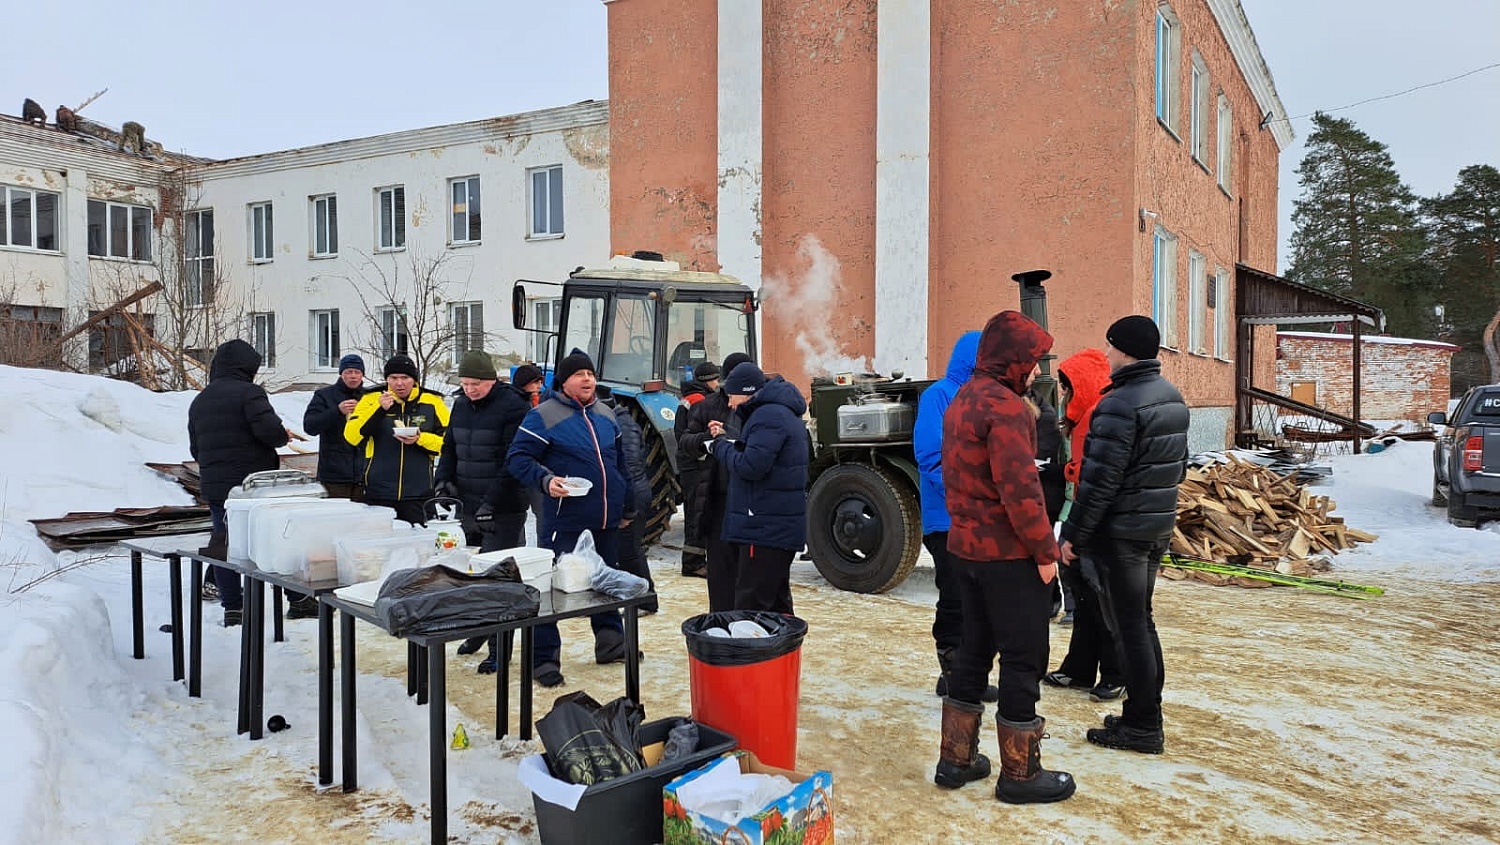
666, 491
864, 528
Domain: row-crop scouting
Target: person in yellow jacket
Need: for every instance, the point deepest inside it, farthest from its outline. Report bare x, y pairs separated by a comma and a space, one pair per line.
398, 466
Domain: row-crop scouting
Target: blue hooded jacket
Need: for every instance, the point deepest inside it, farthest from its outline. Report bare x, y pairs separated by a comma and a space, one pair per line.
767, 466
927, 435
559, 437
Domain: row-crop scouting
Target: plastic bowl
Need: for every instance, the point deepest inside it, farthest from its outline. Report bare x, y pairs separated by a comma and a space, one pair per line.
406, 431
577, 486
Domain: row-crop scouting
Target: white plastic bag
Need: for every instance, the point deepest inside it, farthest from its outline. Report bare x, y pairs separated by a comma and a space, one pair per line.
575, 569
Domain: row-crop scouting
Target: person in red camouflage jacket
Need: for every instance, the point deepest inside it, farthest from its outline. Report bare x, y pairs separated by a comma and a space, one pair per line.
1006, 558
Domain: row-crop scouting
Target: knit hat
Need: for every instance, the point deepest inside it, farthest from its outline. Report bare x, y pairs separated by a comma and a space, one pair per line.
744, 380
477, 363
706, 371
734, 360
400, 365
526, 374
351, 362
576, 360
1136, 336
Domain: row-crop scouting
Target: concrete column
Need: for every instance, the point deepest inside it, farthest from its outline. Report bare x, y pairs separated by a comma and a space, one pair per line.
902, 141
75, 245
739, 136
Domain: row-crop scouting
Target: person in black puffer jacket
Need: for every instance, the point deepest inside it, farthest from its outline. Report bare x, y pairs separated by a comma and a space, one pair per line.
340, 465
705, 383
1125, 507
632, 557
711, 488
232, 432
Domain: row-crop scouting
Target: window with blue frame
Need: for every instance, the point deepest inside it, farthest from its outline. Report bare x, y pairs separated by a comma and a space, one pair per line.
1164, 285
1168, 55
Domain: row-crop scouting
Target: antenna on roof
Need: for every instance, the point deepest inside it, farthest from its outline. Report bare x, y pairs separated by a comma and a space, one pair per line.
97, 95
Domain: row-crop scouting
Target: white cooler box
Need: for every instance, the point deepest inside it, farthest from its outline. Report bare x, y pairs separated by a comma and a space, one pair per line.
304, 545
267, 522
535, 564
237, 516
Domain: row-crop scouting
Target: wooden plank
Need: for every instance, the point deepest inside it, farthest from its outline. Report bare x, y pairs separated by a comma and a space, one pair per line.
148, 290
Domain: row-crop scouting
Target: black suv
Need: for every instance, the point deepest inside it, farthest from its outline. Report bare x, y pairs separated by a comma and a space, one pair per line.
1466, 461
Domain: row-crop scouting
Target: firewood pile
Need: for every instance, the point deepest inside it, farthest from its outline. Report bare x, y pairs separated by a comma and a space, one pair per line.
1244, 513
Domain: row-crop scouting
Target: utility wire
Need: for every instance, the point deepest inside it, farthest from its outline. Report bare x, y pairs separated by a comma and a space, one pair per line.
1384, 96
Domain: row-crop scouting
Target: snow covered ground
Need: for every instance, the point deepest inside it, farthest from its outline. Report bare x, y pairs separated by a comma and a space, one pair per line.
104, 748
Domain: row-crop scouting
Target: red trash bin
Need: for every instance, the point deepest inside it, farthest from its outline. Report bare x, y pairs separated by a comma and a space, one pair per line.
748, 687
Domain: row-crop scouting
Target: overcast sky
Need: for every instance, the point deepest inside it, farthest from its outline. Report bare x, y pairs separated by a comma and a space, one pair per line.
234, 79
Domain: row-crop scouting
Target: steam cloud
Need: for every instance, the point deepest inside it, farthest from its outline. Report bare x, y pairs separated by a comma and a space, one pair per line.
807, 305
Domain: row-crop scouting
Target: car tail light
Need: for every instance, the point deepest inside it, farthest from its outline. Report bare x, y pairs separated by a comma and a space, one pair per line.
1474, 454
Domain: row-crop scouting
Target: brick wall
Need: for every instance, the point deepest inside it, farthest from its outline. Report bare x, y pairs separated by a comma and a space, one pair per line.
1401, 379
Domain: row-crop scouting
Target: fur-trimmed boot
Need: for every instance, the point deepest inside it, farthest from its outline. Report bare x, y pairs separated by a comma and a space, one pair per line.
959, 760
1022, 778
945, 657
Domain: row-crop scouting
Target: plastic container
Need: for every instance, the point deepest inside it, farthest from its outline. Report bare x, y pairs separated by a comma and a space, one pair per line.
748, 687
304, 547
369, 557
237, 515
278, 484
535, 564
627, 810
266, 523
577, 486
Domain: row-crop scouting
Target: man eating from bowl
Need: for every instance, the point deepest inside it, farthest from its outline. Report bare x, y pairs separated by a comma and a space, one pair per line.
400, 429
570, 435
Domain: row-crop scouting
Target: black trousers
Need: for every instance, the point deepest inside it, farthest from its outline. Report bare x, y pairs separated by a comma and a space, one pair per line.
1092, 649
505, 531
632, 554
1005, 611
1129, 572
763, 579
723, 558
947, 623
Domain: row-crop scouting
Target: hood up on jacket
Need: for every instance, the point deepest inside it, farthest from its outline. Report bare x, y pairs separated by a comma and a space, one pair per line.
961, 362
1087, 373
1010, 348
234, 359
781, 392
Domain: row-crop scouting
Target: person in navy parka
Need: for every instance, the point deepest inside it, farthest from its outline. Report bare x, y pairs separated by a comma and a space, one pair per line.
766, 513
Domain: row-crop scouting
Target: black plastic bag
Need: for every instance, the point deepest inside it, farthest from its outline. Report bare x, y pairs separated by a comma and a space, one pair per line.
433, 599
588, 743
786, 634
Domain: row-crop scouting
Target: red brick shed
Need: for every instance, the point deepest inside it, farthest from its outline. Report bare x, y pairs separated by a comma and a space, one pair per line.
1401, 378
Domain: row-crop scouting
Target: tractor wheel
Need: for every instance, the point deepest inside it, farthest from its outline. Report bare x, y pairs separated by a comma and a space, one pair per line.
666, 491
864, 528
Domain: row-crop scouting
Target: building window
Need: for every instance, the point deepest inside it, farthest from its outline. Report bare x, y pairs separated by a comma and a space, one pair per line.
198, 257
1168, 54
117, 230
325, 339
325, 220
263, 337
545, 315
390, 218
394, 338
1223, 312
1225, 137
547, 202
468, 328
1197, 303
465, 194
1164, 286
28, 218
261, 235
1198, 114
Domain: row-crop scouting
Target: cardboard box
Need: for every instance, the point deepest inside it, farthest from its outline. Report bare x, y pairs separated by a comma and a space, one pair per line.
803, 816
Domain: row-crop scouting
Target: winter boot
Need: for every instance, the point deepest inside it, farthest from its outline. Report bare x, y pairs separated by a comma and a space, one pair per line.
1022, 778
959, 760
946, 656
472, 645
302, 607
218, 546
1118, 735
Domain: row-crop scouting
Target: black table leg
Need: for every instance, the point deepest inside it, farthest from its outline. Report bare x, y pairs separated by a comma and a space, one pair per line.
632, 655
277, 625
247, 622
137, 626
527, 645
424, 675
325, 694
346, 701
174, 576
195, 634
411, 669
502, 685
437, 726
258, 661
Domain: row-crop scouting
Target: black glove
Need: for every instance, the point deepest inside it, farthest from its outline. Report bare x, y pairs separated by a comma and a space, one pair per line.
485, 516
445, 489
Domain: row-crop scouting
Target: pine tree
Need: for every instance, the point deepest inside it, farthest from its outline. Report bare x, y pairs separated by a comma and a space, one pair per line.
1464, 229
1357, 232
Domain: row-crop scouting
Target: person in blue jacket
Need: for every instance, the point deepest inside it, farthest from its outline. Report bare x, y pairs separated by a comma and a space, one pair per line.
571, 434
927, 440
765, 515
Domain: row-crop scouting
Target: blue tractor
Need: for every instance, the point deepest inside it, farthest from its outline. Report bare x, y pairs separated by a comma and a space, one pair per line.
646, 323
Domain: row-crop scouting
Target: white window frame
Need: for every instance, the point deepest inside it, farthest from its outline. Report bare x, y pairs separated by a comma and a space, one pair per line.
323, 340
1197, 342
263, 337
133, 249
1168, 65
469, 229
394, 333
10, 194
262, 232
1226, 143
1223, 314
462, 317
198, 258
1164, 285
1198, 111
544, 195
546, 315
390, 218
323, 237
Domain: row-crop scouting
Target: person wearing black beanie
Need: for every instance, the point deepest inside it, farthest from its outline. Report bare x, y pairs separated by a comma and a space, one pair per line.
1136, 336
576, 360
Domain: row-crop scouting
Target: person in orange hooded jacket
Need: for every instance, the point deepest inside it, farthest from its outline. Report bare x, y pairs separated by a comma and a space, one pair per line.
1091, 648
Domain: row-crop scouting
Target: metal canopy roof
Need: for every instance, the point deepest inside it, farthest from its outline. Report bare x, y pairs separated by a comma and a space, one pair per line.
1267, 299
